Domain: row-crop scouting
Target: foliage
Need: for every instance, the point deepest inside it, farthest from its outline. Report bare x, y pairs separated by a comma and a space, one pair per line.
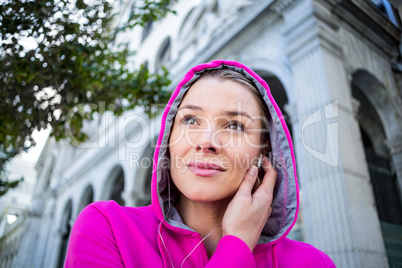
58, 54
5, 185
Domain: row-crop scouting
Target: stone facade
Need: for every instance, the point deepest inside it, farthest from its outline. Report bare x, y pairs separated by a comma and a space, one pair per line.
333, 66
13, 209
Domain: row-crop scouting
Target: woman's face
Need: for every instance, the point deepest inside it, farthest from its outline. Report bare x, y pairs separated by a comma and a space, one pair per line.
216, 136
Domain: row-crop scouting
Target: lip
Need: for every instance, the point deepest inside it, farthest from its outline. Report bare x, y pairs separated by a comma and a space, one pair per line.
204, 169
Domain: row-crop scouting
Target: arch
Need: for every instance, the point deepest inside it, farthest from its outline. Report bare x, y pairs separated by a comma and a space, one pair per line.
373, 132
64, 232
114, 186
370, 123
278, 92
163, 55
193, 19
143, 176
376, 93
389, 114
374, 112
271, 68
194, 31
86, 198
146, 30
186, 25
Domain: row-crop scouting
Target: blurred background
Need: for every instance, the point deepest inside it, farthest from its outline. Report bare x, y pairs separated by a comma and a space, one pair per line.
334, 67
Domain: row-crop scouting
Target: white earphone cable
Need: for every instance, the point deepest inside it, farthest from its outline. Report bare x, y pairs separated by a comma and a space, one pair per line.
199, 244
163, 242
160, 224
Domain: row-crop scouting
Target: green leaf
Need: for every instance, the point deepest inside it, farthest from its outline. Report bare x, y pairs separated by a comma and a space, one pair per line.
74, 56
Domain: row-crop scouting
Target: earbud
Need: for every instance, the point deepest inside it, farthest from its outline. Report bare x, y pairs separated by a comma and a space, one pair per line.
259, 161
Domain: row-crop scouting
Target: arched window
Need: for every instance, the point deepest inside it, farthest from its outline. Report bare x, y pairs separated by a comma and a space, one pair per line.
118, 190
87, 198
114, 186
374, 115
64, 232
383, 177
279, 93
146, 30
187, 25
143, 177
163, 55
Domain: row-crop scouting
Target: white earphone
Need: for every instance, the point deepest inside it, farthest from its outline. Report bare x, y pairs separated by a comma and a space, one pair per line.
259, 161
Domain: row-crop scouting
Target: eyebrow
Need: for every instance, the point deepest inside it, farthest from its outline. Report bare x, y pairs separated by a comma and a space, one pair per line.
228, 113
192, 107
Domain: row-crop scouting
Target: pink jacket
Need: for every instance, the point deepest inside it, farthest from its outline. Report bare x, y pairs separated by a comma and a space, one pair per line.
108, 235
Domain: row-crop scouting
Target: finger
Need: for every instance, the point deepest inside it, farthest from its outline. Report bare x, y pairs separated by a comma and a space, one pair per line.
266, 164
248, 181
269, 210
269, 180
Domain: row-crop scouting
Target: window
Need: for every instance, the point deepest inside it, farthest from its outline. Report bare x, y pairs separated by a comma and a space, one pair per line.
146, 30
387, 10
163, 55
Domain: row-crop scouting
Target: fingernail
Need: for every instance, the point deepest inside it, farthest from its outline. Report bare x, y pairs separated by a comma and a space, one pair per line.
253, 171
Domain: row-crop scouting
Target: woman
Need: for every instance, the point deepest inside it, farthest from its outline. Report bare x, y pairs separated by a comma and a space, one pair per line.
211, 205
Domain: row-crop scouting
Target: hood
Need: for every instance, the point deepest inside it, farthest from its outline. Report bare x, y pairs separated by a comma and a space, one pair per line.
286, 200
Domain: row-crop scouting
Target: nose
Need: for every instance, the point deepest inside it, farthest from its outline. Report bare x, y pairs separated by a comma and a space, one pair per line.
205, 142
207, 148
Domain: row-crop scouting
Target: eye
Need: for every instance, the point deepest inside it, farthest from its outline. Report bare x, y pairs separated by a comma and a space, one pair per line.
236, 126
189, 120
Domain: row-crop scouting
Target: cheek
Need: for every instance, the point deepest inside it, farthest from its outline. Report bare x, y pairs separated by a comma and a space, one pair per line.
177, 161
176, 170
252, 143
175, 136
177, 143
244, 155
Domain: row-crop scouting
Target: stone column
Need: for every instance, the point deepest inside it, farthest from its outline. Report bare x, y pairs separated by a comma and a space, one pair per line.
27, 248
42, 253
339, 211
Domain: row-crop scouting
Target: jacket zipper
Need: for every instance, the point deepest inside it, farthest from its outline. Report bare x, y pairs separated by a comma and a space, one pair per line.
274, 264
204, 250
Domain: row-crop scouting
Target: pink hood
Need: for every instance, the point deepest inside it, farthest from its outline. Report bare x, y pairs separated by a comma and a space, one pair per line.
286, 201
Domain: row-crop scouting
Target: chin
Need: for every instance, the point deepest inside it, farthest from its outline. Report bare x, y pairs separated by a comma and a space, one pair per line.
209, 196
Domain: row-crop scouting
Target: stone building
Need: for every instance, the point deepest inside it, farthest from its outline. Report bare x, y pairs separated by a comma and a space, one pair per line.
13, 209
335, 68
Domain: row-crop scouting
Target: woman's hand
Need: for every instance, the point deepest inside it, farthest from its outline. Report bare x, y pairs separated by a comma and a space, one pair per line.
247, 213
